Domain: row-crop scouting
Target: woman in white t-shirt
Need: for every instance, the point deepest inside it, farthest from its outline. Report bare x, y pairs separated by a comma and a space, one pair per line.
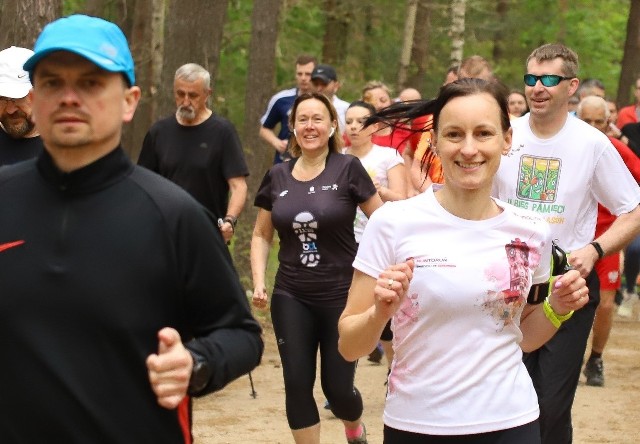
385, 165
453, 269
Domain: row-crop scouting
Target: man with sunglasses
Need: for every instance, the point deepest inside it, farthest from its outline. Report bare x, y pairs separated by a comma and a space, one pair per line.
561, 167
19, 138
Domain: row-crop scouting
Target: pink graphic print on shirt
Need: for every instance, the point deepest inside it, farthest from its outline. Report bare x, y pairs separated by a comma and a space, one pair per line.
515, 281
406, 314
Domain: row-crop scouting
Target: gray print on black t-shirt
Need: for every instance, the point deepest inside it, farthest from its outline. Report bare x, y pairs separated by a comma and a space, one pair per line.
305, 226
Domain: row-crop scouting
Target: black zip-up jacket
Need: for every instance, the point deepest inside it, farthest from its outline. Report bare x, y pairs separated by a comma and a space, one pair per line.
93, 263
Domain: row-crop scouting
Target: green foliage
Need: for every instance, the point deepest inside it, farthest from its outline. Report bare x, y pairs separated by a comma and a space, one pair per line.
72, 6
596, 30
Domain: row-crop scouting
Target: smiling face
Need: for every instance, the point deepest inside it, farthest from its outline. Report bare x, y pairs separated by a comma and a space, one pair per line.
312, 126
470, 141
549, 101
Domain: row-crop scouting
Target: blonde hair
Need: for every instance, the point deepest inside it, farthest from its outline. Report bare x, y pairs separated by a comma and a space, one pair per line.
369, 86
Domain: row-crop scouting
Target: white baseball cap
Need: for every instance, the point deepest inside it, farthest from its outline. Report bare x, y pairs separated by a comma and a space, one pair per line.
14, 80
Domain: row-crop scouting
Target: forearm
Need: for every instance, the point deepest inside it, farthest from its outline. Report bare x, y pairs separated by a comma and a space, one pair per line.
259, 256
389, 195
359, 333
397, 188
536, 328
270, 137
230, 353
623, 230
361, 323
237, 196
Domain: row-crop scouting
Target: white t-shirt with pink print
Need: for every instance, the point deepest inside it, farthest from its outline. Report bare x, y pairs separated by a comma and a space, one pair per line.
458, 364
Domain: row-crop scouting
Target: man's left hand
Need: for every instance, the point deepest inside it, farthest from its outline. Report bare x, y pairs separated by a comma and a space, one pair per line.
170, 369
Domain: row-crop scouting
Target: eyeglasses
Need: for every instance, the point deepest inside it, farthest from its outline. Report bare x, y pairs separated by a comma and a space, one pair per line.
545, 79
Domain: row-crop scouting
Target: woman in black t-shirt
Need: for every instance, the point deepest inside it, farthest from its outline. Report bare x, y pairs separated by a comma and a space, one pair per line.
311, 201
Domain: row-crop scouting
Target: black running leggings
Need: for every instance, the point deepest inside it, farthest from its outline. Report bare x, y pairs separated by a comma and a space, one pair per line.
300, 328
524, 434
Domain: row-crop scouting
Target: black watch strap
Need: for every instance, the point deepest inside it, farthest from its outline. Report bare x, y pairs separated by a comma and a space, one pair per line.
598, 248
200, 374
231, 219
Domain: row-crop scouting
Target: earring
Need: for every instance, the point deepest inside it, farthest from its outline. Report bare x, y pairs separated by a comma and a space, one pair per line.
295, 134
333, 130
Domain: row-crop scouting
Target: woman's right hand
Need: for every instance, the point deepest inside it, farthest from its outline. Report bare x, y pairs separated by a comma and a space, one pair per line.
392, 286
260, 298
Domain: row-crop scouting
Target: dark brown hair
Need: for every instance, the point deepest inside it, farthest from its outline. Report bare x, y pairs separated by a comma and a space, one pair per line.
400, 114
305, 59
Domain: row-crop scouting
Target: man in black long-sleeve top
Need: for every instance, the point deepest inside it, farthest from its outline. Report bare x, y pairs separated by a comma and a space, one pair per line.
118, 296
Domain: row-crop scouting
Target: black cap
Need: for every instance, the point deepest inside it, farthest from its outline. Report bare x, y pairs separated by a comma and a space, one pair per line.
326, 73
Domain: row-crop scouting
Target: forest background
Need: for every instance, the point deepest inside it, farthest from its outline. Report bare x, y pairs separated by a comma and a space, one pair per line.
250, 48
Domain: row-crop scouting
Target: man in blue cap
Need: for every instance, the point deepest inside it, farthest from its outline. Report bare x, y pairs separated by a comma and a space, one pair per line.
118, 294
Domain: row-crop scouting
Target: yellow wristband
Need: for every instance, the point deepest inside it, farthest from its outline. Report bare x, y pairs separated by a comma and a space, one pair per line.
554, 317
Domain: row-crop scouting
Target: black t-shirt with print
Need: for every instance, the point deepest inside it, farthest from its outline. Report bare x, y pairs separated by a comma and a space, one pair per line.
314, 220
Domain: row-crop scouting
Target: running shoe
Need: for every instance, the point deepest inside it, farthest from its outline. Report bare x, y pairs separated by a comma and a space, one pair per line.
376, 355
629, 299
362, 439
594, 371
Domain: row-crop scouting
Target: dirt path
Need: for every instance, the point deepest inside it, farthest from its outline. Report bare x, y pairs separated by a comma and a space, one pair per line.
601, 415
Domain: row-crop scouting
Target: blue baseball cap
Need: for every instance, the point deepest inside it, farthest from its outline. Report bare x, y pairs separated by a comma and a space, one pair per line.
97, 40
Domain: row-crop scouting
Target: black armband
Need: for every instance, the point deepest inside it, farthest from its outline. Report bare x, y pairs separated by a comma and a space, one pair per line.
538, 293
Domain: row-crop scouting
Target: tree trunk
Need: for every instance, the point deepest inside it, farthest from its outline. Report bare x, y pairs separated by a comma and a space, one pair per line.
140, 41
334, 43
120, 12
458, 11
261, 72
407, 43
368, 47
502, 8
630, 69
193, 34
22, 21
420, 47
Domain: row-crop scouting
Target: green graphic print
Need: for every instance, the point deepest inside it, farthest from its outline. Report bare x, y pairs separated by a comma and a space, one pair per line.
538, 179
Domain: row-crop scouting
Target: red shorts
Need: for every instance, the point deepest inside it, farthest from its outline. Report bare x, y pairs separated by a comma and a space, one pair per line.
608, 269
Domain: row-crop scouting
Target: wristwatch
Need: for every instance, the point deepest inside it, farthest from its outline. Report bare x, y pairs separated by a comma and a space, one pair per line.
231, 219
200, 374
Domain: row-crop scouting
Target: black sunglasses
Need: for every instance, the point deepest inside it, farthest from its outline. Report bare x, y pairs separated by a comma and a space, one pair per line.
545, 79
